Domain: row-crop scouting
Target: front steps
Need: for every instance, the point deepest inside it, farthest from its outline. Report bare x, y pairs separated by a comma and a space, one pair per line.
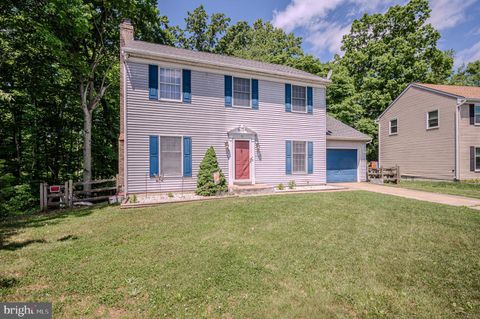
243, 189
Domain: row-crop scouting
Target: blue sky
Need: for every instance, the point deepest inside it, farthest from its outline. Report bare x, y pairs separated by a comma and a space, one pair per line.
321, 23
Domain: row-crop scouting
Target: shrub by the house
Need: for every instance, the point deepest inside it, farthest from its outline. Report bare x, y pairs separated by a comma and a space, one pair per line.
206, 184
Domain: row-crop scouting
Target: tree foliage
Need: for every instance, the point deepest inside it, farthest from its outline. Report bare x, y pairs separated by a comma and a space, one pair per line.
206, 185
467, 75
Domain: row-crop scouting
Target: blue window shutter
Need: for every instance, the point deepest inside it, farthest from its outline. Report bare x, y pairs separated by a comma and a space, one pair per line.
153, 156
228, 90
310, 157
153, 81
288, 157
187, 86
187, 156
288, 98
309, 100
254, 94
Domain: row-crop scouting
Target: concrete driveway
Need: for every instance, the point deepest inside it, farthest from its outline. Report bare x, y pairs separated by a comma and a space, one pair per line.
415, 194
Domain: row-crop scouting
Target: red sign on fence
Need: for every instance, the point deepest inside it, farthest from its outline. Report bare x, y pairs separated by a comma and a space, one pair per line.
54, 189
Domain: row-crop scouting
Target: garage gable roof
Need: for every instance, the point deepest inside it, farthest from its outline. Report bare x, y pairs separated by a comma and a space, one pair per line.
337, 130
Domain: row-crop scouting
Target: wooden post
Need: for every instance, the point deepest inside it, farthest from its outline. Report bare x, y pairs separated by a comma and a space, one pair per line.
70, 193
42, 205
65, 194
45, 196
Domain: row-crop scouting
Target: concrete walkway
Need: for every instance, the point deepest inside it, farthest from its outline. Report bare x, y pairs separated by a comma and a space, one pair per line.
415, 194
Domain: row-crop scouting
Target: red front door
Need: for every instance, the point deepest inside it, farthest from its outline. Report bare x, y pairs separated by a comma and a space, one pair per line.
242, 159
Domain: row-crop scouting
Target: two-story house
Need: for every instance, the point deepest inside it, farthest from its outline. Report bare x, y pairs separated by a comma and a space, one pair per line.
433, 131
266, 122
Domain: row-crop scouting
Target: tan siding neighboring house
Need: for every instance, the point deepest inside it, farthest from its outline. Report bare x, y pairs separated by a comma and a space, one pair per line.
469, 135
423, 152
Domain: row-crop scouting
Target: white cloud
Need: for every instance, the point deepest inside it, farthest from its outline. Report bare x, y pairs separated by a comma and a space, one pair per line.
448, 13
468, 55
328, 38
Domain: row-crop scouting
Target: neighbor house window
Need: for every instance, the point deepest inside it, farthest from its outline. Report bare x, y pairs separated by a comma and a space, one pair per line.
171, 155
477, 158
432, 119
393, 126
299, 98
241, 92
477, 114
299, 157
170, 84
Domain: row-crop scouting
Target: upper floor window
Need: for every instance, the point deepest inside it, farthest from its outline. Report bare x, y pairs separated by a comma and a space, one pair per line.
170, 84
393, 127
432, 119
477, 114
299, 156
241, 92
299, 98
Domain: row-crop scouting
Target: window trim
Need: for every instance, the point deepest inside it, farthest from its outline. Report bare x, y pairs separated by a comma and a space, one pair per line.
160, 85
249, 93
390, 127
306, 102
477, 169
475, 106
428, 120
160, 154
305, 172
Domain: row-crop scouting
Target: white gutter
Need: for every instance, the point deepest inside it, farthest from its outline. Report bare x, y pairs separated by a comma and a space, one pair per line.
460, 102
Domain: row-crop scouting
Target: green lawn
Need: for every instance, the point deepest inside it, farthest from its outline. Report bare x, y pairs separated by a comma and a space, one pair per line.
344, 254
452, 188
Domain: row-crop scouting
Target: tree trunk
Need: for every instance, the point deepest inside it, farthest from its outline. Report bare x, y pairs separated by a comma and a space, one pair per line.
87, 147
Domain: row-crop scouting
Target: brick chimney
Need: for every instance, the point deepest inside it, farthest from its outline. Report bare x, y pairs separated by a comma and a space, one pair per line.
126, 36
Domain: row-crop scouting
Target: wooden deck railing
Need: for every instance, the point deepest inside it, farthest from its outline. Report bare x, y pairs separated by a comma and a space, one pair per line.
70, 193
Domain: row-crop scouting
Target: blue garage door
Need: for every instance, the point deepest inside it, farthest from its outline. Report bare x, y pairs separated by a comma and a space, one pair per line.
341, 165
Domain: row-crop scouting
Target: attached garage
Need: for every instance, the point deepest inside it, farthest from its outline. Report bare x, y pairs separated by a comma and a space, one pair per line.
346, 153
342, 165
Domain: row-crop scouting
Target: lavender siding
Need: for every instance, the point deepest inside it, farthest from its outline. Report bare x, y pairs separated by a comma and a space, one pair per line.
207, 121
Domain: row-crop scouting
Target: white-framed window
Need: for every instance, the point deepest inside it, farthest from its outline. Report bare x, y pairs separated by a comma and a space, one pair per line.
241, 92
393, 127
476, 114
477, 159
171, 155
299, 99
299, 155
170, 84
432, 119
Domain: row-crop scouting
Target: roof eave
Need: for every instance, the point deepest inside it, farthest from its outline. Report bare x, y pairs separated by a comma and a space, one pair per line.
149, 55
343, 138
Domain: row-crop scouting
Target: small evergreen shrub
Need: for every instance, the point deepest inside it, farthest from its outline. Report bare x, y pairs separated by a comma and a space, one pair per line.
292, 184
280, 187
206, 185
170, 194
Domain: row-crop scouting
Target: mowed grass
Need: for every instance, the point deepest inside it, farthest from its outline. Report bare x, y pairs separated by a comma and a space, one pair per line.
334, 255
453, 188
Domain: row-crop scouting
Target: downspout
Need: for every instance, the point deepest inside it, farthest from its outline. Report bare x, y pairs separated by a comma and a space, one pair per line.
125, 179
460, 102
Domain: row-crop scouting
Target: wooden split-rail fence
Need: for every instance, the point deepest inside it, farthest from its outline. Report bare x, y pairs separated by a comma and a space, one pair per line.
384, 174
72, 193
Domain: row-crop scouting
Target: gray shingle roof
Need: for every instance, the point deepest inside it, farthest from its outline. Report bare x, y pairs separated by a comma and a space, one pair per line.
337, 129
159, 50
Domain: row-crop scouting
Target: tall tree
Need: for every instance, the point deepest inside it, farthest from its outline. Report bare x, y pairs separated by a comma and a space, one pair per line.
90, 35
467, 75
202, 31
386, 52
383, 54
261, 41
